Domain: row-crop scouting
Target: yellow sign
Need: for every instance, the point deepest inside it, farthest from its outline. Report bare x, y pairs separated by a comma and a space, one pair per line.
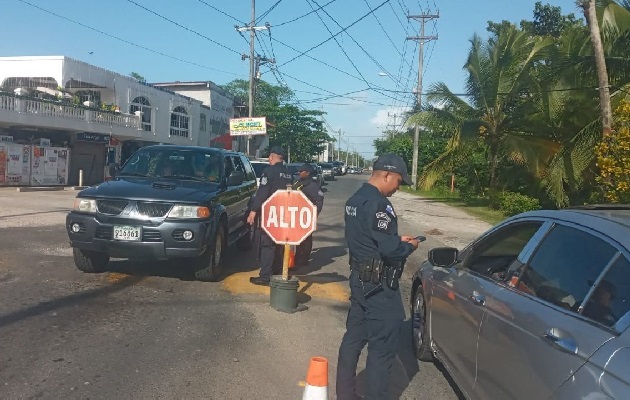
248, 126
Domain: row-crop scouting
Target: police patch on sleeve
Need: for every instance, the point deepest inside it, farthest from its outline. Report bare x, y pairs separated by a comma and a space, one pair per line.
263, 180
382, 222
319, 192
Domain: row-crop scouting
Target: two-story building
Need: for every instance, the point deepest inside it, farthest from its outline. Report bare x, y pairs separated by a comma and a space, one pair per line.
61, 116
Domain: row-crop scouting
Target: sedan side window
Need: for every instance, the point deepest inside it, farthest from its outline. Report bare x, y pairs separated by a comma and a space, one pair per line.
493, 256
565, 266
610, 301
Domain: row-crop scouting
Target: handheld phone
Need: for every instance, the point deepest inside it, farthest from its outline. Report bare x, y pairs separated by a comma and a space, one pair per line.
420, 238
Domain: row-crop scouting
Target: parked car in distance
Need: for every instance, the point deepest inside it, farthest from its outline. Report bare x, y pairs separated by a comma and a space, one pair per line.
535, 308
328, 171
167, 202
259, 166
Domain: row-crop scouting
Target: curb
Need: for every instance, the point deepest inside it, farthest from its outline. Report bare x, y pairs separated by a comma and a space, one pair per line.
40, 189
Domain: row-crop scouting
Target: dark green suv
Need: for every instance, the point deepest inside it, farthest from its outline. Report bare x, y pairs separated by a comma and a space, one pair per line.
167, 202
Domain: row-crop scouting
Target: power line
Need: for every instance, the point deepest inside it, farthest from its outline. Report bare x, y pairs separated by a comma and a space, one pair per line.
359, 45
126, 41
222, 12
337, 41
305, 15
184, 27
336, 34
319, 61
384, 30
263, 15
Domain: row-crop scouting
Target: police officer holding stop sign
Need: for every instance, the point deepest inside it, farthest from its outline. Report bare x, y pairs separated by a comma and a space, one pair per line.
377, 257
275, 177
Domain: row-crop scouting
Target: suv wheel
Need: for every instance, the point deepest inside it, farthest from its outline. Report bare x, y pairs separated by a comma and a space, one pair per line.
90, 261
208, 265
420, 332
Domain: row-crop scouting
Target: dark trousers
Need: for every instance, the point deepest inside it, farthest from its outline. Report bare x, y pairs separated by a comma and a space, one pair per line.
270, 257
374, 321
303, 251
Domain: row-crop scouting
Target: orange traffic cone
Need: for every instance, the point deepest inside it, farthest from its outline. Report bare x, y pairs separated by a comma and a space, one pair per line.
316, 380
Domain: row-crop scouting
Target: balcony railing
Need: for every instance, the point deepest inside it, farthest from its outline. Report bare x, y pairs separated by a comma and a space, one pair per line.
65, 111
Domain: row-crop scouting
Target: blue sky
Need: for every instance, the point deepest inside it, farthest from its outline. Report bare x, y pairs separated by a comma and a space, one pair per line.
368, 55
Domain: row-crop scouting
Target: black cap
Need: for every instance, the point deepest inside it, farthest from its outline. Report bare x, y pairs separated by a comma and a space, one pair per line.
308, 168
277, 150
392, 163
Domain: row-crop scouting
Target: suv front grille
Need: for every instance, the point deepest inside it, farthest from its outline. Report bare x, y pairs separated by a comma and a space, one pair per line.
153, 210
149, 235
103, 232
111, 207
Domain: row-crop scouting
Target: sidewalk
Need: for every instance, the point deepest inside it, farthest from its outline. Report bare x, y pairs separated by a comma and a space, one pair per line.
449, 225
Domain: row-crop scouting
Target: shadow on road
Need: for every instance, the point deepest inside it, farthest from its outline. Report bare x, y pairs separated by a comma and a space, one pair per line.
66, 301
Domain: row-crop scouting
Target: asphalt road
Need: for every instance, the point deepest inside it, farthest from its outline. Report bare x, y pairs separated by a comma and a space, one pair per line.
148, 330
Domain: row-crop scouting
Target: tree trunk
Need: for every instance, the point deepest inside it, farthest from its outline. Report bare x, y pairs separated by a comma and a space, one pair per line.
494, 165
602, 74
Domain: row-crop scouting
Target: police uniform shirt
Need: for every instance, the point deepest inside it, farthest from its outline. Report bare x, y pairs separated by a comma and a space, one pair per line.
372, 227
312, 190
275, 177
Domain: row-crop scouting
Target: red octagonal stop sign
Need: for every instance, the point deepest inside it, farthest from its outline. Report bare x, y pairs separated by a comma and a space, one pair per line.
288, 216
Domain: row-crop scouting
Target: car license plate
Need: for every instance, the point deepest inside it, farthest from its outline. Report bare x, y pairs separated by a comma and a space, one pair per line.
129, 233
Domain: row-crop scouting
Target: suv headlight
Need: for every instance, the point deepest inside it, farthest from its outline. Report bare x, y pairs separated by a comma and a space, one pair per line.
180, 211
84, 205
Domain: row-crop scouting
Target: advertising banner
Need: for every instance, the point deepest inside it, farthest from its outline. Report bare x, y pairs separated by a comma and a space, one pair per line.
248, 126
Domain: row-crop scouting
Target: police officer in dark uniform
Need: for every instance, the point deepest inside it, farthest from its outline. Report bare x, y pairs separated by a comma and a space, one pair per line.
275, 177
377, 257
314, 193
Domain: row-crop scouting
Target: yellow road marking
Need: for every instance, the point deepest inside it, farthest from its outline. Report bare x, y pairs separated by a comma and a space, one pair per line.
302, 384
116, 277
312, 285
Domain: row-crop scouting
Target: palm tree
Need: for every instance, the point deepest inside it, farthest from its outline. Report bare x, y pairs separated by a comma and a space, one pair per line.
569, 105
498, 96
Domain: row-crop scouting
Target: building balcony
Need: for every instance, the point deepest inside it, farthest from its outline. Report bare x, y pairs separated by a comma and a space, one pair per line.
18, 110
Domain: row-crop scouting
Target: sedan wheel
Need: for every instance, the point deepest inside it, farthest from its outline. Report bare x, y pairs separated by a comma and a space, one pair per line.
420, 337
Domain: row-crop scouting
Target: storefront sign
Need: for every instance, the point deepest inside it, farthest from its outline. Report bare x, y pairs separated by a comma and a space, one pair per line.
93, 137
248, 126
5, 138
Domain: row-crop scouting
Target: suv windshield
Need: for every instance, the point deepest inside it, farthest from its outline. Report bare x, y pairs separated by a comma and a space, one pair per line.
327, 165
192, 164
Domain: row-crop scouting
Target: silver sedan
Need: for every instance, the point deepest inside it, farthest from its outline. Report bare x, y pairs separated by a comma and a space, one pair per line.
536, 308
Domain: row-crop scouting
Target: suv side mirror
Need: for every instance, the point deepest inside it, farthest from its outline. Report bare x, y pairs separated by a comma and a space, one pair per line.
443, 257
236, 178
114, 169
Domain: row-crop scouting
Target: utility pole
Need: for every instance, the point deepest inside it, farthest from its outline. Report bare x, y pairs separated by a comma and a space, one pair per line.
347, 150
339, 147
253, 62
422, 39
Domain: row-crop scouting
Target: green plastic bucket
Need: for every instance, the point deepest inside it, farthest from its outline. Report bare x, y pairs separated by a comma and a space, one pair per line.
283, 294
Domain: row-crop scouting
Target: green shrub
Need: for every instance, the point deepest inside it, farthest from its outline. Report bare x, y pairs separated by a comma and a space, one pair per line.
515, 203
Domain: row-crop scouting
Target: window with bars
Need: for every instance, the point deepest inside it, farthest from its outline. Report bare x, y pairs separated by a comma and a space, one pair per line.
179, 122
202, 122
143, 105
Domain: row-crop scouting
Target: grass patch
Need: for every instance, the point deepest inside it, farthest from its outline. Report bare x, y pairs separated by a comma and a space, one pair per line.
478, 208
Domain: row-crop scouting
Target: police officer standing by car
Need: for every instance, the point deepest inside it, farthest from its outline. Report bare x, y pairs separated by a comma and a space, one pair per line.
377, 257
314, 193
275, 177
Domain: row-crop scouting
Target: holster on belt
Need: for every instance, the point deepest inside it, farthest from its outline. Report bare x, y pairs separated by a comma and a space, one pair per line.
370, 270
375, 271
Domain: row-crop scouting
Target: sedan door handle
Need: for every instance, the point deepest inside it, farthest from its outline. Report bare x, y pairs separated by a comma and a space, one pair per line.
561, 340
477, 298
